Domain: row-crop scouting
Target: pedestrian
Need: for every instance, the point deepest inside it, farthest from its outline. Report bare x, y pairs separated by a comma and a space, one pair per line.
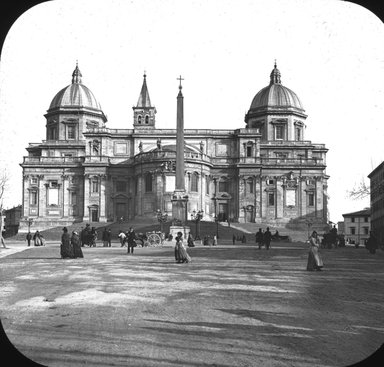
214, 243
82, 236
233, 239
28, 238
267, 237
105, 237
190, 241
181, 254
109, 237
93, 237
66, 249
131, 237
372, 243
76, 245
205, 241
333, 236
37, 239
315, 261
259, 238
244, 239
122, 237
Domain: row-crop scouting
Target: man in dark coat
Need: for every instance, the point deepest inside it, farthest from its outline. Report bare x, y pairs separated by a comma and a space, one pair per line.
372, 243
267, 238
259, 238
28, 238
131, 240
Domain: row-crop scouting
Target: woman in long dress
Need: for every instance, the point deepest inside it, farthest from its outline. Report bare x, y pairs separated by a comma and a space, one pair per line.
315, 261
76, 245
66, 249
181, 254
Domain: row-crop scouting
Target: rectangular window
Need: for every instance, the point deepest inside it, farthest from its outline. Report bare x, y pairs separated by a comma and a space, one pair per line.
33, 198
223, 186
366, 230
34, 180
194, 183
71, 132
311, 199
207, 186
271, 199
148, 183
353, 230
121, 186
249, 187
366, 219
95, 186
353, 220
73, 197
298, 134
279, 131
249, 151
270, 182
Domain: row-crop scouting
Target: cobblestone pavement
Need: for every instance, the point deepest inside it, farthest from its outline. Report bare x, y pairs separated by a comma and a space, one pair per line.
231, 306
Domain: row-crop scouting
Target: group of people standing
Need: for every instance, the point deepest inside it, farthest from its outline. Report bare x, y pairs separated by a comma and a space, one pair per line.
264, 238
70, 247
38, 239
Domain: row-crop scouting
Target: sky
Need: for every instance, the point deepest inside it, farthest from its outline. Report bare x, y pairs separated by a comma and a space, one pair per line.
329, 52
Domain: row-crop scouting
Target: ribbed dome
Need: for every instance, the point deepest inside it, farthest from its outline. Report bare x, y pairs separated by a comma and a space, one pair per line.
75, 95
275, 95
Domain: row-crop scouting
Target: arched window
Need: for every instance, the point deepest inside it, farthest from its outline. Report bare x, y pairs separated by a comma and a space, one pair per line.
146, 119
139, 119
194, 183
148, 183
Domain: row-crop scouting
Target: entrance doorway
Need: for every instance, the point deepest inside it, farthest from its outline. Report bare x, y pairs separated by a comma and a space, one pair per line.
94, 214
121, 211
223, 212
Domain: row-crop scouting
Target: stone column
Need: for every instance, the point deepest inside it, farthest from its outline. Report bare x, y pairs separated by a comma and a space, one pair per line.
87, 184
102, 198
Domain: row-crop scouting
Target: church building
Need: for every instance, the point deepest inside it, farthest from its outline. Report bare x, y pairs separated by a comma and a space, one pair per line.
262, 171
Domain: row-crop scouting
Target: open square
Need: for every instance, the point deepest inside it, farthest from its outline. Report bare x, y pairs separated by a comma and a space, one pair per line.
233, 305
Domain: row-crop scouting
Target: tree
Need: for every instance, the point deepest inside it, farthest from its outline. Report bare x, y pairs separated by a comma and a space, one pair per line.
360, 191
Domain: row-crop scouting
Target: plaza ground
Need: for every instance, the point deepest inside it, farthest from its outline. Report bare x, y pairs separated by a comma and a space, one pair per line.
233, 305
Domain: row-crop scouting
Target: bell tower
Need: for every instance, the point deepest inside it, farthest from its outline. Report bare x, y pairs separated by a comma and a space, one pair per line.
144, 112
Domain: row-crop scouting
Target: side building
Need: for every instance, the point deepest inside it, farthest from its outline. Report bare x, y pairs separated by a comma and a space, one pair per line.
263, 172
357, 226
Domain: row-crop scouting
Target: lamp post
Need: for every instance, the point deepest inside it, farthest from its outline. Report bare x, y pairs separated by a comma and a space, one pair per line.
197, 216
217, 226
30, 221
161, 218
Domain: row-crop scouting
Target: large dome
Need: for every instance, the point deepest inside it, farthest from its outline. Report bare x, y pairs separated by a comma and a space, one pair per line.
75, 95
275, 95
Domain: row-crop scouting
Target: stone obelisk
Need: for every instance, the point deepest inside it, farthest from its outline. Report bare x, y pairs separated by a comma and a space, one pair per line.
180, 197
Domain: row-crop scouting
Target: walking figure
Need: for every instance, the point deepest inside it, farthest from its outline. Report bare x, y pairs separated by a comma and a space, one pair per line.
259, 238
267, 238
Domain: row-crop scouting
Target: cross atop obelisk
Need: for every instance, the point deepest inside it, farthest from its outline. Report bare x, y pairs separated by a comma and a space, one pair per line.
180, 79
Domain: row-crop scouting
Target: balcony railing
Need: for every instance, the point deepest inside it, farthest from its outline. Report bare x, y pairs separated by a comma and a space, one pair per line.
52, 160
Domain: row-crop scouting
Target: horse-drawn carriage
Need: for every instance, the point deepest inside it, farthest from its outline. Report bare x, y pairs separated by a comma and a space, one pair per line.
150, 239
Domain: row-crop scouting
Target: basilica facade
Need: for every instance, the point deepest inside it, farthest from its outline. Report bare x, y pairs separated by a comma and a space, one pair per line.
264, 171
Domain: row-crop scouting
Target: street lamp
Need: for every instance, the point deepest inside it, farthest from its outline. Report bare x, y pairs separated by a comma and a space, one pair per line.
161, 218
197, 216
30, 221
217, 226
